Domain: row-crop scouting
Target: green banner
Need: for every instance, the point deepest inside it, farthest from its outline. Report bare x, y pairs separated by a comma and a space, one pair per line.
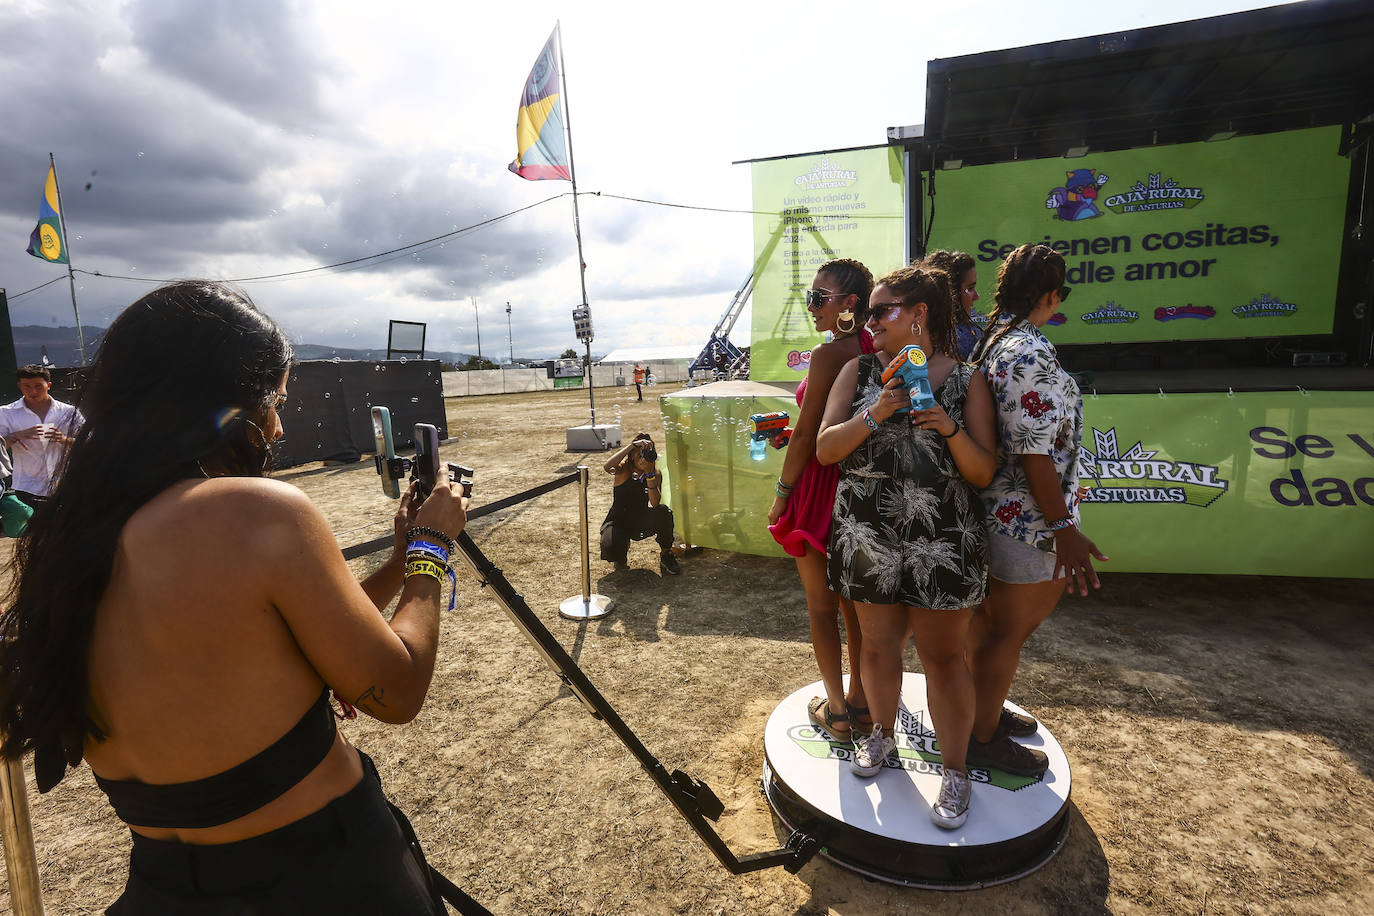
1263, 483
809, 209
1232, 239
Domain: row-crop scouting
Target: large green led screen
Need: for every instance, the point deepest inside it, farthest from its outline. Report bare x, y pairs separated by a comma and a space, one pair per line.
1231, 239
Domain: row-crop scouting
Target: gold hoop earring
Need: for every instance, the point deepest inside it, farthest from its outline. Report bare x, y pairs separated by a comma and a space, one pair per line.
844, 316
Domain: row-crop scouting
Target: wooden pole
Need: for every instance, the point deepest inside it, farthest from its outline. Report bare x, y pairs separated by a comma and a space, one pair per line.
16, 830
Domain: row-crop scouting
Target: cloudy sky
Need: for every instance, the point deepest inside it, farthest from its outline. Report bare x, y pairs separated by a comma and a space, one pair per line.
244, 138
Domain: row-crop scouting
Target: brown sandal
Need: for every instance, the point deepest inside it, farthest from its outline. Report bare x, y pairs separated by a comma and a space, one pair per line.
818, 711
855, 713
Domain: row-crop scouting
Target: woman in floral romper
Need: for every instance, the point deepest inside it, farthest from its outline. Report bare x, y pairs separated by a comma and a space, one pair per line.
907, 541
1032, 503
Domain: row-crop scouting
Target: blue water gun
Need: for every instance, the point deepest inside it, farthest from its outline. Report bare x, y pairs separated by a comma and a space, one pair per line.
911, 365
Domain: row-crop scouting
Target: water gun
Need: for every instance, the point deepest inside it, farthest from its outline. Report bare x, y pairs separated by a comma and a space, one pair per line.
910, 364
769, 429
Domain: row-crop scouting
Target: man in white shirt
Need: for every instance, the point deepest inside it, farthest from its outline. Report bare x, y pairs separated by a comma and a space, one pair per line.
37, 429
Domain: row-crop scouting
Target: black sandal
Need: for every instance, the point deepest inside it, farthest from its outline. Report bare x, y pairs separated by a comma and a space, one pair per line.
827, 722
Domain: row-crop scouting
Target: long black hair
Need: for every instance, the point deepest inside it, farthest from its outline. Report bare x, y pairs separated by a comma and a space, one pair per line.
1023, 278
180, 388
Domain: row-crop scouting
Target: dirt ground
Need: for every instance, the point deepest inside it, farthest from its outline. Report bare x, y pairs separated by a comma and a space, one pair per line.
1220, 729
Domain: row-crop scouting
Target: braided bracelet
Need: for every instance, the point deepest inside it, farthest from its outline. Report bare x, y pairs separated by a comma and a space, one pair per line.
868, 420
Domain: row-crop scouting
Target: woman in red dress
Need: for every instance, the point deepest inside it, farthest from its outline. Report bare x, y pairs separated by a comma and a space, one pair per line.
800, 517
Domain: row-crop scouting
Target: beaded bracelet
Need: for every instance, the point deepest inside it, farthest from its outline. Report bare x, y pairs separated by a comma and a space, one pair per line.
1061, 524
868, 420
415, 532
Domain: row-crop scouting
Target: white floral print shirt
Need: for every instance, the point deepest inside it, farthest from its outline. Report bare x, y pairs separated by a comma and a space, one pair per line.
1039, 412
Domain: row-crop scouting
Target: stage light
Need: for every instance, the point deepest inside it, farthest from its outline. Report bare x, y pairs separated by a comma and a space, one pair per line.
1076, 152
1221, 135
950, 165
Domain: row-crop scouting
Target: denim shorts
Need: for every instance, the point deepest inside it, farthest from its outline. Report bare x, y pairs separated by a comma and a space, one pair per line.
1016, 562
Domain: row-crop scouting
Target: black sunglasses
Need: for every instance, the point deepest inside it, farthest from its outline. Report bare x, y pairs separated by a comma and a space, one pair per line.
1064, 292
815, 298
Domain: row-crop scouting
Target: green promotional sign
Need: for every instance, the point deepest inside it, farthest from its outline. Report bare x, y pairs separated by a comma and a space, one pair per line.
809, 209
1238, 238
1263, 483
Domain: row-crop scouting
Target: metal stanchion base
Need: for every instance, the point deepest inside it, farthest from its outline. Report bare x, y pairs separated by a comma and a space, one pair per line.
579, 608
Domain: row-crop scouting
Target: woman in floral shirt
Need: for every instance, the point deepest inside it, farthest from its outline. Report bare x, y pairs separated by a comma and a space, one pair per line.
1032, 502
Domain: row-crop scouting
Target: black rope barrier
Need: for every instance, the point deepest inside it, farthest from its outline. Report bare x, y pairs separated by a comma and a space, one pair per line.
370, 547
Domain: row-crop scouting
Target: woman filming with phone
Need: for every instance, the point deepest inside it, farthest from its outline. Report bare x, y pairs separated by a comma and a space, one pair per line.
182, 630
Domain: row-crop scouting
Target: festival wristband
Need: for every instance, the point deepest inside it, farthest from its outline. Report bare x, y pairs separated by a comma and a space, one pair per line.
428, 557
424, 568
868, 420
427, 547
1061, 524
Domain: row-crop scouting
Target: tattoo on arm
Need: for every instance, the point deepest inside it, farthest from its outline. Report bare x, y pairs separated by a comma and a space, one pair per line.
372, 694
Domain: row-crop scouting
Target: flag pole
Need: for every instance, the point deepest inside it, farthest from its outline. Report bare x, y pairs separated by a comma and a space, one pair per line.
577, 222
66, 247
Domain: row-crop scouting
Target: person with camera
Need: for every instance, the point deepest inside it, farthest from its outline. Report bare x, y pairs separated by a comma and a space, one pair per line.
637, 511
179, 621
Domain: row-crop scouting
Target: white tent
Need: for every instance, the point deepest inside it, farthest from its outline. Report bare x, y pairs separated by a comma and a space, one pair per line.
650, 354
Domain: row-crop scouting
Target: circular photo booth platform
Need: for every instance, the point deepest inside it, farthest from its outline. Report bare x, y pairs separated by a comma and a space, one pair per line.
881, 827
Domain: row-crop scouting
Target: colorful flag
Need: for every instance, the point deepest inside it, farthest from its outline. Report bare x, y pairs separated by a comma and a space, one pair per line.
46, 239
542, 150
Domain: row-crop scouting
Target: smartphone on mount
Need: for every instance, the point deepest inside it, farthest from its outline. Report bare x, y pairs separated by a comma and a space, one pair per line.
386, 451
426, 463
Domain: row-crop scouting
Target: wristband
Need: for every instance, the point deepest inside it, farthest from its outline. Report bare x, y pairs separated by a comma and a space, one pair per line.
424, 568
427, 547
957, 430
782, 490
868, 420
1061, 524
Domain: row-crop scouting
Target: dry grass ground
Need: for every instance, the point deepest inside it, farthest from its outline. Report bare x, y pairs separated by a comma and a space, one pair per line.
1220, 729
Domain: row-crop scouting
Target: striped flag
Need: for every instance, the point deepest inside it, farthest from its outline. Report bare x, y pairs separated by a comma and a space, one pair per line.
46, 239
542, 151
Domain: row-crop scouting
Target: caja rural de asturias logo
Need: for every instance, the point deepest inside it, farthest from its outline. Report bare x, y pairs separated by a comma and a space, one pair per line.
1266, 306
1137, 476
917, 752
1155, 194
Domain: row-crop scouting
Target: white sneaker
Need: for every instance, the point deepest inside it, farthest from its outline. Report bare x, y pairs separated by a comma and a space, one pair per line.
870, 751
951, 806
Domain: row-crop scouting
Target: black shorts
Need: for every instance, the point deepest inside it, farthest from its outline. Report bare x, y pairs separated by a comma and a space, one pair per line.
351, 856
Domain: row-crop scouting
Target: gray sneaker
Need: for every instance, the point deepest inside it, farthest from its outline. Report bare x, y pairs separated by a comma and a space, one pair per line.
951, 805
870, 751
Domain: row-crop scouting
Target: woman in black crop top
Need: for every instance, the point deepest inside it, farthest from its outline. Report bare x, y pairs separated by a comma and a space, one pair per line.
178, 620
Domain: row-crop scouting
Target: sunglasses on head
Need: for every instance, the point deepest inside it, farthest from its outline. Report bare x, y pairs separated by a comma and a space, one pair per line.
815, 298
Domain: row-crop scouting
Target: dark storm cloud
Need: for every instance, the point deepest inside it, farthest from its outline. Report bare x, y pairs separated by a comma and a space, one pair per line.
253, 55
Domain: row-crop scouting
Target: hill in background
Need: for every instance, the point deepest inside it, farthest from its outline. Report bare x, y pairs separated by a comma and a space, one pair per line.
61, 344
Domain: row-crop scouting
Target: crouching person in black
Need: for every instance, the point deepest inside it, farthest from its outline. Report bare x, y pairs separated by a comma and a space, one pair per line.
637, 511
